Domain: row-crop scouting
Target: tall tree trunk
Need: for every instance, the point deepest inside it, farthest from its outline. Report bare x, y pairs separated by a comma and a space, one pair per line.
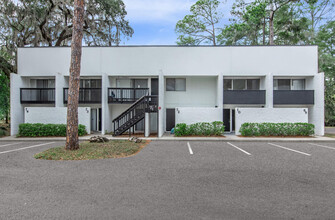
264, 31
271, 35
72, 141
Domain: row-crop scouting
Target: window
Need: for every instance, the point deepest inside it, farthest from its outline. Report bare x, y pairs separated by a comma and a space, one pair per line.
228, 84
253, 84
45, 83
176, 84
241, 84
289, 84
298, 84
90, 83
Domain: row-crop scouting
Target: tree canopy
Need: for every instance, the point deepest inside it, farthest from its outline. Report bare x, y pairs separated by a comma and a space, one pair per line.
200, 26
49, 23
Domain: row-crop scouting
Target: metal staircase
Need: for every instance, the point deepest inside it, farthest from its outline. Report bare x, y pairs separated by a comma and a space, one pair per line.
134, 114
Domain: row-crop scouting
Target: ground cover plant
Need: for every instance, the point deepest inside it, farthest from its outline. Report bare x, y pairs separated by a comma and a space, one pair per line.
46, 130
91, 151
215, 128
277, 129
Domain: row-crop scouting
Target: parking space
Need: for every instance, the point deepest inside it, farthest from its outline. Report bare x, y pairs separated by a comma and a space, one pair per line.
173, 180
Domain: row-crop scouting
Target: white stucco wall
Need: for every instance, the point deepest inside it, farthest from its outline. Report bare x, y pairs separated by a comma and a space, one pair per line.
274, 115
194, 115
56, 115
200, 92
173, 60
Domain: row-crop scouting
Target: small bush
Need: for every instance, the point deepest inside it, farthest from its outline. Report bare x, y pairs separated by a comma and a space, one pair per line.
200, 129
277, 129
45, 130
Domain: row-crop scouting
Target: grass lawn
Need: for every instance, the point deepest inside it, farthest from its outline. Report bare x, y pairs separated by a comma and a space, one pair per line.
92, 151
330, 135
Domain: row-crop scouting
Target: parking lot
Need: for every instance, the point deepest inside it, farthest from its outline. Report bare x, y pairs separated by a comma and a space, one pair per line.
172, 180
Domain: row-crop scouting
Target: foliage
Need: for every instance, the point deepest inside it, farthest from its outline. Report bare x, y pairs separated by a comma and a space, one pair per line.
251, 25
199, 26
200, 129
49, 23
4, 96
92, 151
277, 129
45, 130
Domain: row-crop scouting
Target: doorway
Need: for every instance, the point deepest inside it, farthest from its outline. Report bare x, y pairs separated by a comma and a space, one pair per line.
96, 119
170, 119
229, 120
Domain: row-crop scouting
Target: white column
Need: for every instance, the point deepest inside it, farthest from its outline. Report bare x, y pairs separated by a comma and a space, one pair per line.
317, 111
59, 91
104, 103
269, 90
149, 85
219, 101
147, 124
161, 106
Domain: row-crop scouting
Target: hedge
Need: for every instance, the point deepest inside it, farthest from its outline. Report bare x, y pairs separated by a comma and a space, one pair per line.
200, 129
45, 130
277, 129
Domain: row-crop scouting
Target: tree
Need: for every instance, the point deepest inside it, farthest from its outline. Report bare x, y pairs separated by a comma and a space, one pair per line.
49, 23
72, 141
256, 23
200, 26
4, 96
326, 42
248, 27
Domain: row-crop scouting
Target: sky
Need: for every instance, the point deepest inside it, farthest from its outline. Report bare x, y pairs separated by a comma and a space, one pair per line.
154, 21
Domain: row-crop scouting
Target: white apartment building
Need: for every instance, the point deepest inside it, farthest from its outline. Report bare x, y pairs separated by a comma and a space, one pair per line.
152, 88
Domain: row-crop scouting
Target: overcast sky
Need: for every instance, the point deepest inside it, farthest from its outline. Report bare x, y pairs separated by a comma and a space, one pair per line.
154, 21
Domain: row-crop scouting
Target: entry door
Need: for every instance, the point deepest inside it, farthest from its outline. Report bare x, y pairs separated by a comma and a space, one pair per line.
233, 119
140, 83
170, 119
154, 86
226, 119
94, 115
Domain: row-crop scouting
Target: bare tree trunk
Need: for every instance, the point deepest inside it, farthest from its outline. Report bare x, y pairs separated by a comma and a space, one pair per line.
72, 141
271, 36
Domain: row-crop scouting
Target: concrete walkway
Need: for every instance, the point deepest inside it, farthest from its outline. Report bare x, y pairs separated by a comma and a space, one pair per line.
167, 137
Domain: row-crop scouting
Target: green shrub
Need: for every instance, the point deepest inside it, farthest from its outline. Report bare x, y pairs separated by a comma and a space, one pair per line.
277, 129
45, 130
199, 129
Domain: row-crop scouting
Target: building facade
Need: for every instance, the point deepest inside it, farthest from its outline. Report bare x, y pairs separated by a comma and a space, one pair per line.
152, 88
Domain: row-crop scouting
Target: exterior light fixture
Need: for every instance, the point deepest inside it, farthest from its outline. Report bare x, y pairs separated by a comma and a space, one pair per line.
27, 110
305, 111
87, 111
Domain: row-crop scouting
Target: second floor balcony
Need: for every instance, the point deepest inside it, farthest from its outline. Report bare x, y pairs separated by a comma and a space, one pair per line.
126, 95
86, 95
37, 95
293, 97
256, 97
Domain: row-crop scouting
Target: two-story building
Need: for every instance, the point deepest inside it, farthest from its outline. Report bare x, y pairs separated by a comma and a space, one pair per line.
137, 88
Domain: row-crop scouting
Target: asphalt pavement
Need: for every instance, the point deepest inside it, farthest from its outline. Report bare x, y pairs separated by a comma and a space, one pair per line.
172, 180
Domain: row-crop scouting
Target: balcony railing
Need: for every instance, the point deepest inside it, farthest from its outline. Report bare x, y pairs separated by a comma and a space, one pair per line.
126, 95
86, 95
37, 95
293, 97
244, 97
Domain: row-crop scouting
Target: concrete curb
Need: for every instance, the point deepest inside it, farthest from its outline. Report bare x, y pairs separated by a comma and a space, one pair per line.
226, 139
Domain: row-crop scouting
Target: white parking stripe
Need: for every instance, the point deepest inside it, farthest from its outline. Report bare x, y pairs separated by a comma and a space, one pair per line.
276, 145
4, 152
239, 149
189, 148
8, 144
322, 146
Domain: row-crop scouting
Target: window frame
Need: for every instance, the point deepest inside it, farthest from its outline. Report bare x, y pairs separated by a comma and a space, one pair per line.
174, 89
